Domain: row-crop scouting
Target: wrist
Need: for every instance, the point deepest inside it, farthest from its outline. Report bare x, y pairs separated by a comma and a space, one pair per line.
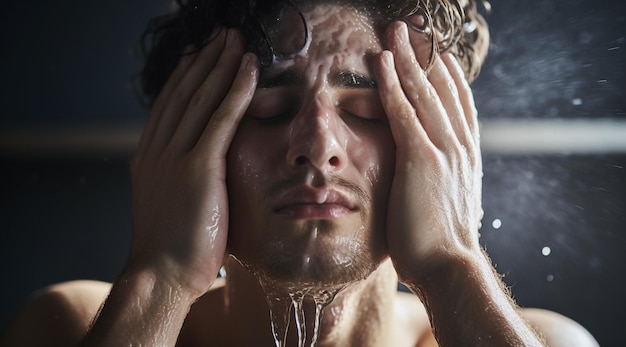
441, 268
469, 305
141, 309
150, 288
186, 276
449, 270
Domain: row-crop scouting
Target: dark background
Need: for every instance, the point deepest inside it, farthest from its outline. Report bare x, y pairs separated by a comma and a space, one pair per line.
67, 216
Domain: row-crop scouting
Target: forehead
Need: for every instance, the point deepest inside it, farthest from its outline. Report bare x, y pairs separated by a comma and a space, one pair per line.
336, 29
340, 37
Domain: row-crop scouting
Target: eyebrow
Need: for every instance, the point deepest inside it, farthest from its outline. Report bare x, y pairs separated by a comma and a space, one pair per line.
284, 78
341, 78
351, 79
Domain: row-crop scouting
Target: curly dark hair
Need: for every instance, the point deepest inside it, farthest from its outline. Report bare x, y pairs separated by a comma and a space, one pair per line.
463, 30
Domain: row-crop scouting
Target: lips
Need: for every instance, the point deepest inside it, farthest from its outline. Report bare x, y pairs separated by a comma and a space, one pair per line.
310, 203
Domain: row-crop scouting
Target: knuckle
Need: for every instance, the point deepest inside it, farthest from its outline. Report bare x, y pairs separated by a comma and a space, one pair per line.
433, 155
456, 151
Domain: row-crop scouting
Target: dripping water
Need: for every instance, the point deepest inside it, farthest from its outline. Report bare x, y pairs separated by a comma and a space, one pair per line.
321, 301
298, 313
279, 318
282, 307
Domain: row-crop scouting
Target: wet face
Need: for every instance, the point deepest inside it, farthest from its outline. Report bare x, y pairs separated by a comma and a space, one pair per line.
311, 165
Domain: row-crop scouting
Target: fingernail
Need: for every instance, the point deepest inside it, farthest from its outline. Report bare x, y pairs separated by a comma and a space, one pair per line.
453, 60
230, 37
404, 32
247, 61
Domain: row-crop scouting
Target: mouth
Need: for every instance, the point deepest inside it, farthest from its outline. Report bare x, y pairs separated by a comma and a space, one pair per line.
310, 203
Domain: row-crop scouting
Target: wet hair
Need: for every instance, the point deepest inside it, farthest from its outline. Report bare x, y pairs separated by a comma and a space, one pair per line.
192, 23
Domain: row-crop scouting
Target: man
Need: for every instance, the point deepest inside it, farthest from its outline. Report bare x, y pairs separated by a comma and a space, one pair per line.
340, 157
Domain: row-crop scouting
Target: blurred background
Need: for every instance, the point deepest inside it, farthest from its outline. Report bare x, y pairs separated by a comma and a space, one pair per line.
552, 102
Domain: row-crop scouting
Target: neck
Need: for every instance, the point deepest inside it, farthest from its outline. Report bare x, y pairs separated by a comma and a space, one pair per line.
360, 315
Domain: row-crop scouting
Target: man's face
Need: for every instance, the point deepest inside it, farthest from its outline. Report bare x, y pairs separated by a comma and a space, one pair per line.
310, 168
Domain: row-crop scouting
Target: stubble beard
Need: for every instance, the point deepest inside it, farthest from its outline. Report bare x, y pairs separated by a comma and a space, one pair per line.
316, 254
316, 259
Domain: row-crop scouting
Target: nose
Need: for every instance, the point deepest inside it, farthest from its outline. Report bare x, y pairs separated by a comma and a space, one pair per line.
317, 138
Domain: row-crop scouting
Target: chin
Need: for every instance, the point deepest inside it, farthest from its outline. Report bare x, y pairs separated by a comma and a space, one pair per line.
320, 262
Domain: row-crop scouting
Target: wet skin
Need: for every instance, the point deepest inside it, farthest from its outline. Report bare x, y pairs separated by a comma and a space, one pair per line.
311, 164
395, 147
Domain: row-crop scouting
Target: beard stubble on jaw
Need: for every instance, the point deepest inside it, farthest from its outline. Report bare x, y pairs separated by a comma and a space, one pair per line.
313, 254
324, 259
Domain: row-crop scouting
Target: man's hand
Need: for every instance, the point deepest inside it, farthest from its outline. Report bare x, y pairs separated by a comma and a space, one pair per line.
435, 202
179, 192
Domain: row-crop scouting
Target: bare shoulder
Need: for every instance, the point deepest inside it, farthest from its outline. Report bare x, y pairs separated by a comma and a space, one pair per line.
557, 329
413, 326
412, 323
58, 315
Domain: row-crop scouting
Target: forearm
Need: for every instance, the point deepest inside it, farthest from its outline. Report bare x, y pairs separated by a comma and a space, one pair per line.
469, 306
141, 310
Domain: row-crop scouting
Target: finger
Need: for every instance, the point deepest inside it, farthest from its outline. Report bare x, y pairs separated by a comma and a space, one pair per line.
401, 115
446, 88
185, 61
222, 126
421, 42
209, 95
466, 96
176, 104
418, 89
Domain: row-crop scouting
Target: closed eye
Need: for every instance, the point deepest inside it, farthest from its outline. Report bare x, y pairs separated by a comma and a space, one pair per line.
272, 106
363, 105
274, 118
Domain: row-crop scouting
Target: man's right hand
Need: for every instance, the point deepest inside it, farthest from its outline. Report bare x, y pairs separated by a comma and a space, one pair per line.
180, 207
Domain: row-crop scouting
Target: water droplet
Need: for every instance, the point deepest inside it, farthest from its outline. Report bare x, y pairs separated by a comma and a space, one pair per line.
546, 251
550, 278
496, 224
577, 102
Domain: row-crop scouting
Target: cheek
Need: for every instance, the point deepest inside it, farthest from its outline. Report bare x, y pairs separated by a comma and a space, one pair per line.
245, 165
377, 161
241, 171
246, 179
251, 154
